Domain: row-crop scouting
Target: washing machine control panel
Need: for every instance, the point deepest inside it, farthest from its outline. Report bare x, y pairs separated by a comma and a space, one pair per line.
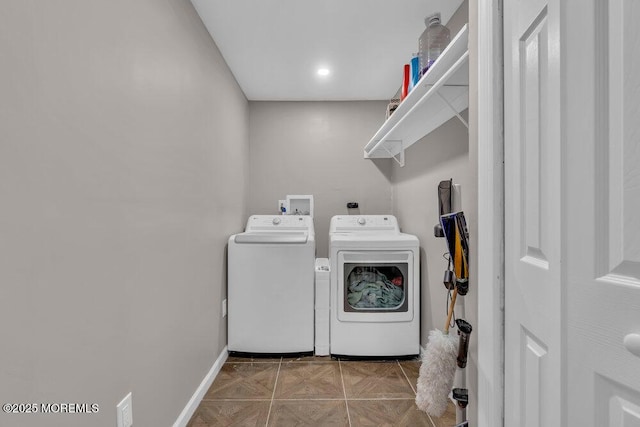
276, 222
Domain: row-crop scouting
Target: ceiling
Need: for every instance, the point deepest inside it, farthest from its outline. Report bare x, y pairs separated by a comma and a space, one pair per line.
275, 47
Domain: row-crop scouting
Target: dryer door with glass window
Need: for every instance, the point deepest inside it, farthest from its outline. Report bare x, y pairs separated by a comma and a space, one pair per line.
375, 286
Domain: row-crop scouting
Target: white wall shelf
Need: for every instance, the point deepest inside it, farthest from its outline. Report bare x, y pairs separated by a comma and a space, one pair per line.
442, 93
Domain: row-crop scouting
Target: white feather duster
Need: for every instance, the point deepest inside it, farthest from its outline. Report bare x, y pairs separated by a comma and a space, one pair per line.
437, 372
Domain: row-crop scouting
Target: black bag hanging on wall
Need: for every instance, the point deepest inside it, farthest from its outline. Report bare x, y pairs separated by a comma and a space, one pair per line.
444, 204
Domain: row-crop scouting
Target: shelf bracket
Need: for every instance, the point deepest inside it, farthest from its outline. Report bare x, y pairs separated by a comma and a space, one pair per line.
400, 161
464, 122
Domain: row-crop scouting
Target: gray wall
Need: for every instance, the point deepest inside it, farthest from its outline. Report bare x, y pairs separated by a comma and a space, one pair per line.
441, 155
317, 148
123, 170
448, 152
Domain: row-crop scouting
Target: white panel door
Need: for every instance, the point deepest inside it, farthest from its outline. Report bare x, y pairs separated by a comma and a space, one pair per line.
533, 212
603, 212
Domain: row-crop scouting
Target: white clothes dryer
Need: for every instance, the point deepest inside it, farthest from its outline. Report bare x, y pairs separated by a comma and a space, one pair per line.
375, 287
271, 286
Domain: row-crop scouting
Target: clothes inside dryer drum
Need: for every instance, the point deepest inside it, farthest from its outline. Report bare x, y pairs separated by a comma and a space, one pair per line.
371, 289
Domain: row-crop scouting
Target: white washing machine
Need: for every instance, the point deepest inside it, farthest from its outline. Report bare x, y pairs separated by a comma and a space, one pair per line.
375, 287
270, 289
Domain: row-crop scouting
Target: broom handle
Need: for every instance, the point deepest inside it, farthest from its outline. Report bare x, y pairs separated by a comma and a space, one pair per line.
450, 313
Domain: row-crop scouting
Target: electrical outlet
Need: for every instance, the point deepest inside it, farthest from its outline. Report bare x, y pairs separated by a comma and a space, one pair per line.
224, 308
125, 412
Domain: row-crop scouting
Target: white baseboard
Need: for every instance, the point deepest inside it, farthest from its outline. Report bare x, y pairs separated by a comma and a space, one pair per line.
195, 400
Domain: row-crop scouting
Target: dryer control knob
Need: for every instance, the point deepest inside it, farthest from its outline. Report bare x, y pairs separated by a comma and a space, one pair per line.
276, 221
361, 221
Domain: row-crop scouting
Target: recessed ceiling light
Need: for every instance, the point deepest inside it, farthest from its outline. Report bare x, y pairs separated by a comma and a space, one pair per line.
323, 72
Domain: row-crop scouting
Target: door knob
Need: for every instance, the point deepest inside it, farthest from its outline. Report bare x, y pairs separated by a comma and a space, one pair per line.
632, 343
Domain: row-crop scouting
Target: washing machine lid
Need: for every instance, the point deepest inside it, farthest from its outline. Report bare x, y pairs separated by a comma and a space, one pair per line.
272, 237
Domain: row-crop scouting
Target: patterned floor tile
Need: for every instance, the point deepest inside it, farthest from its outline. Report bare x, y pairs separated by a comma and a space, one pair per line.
309, 392
244, 381
448, 419
316, 413
380, 413
375, 380
412, 371
311, 380
219, 413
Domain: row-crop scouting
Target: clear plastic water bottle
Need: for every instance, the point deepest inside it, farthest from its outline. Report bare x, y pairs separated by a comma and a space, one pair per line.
432, 42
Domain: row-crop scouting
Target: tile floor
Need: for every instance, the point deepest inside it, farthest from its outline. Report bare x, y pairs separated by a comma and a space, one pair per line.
315, 391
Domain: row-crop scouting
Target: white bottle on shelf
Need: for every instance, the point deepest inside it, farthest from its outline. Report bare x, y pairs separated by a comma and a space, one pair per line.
432, 42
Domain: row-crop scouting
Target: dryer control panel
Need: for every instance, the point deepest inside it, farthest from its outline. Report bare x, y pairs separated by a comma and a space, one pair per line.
355, 223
